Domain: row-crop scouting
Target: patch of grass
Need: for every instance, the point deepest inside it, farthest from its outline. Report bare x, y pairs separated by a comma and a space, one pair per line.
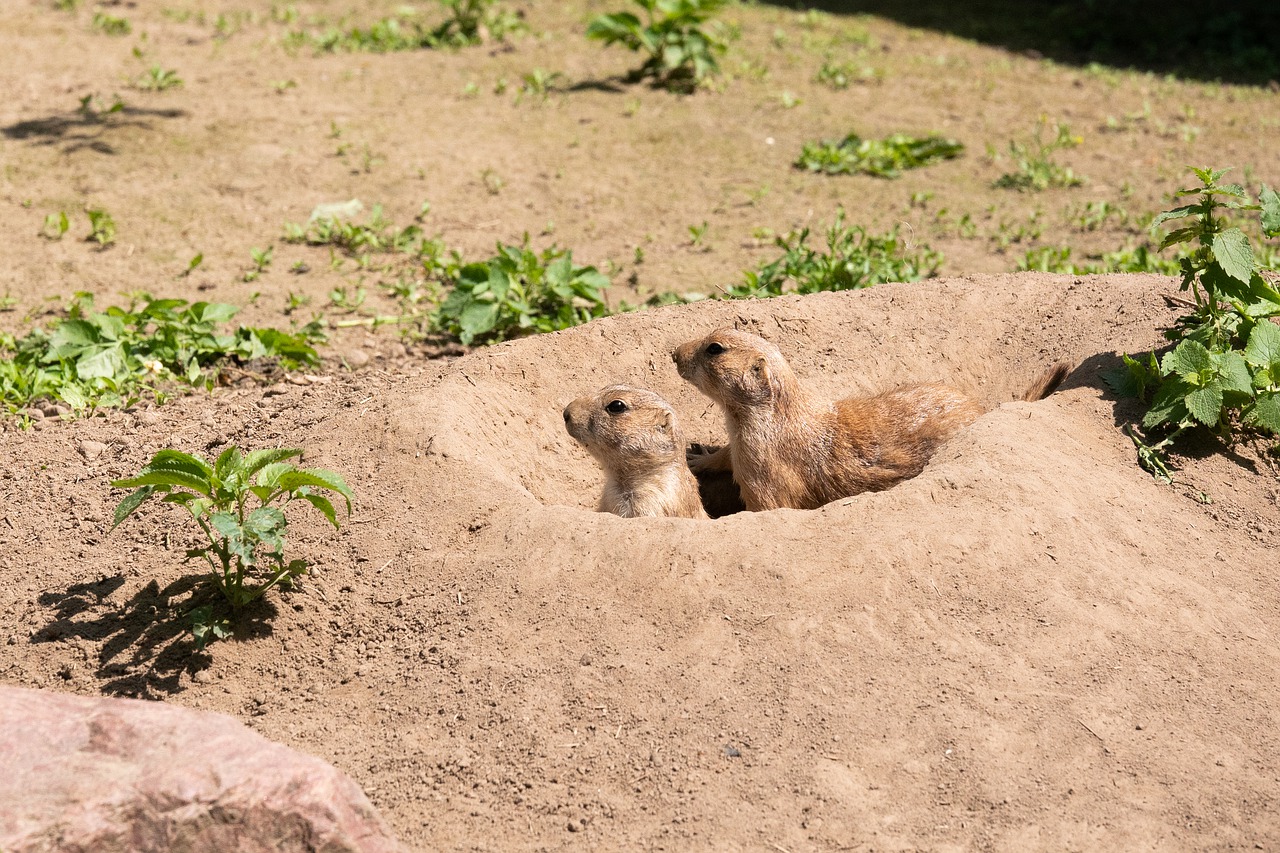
110, 24
106, 359
1034, 168
840, 75
853, 259
244, 544
1139, 258
681, 53
885, 158
469, 22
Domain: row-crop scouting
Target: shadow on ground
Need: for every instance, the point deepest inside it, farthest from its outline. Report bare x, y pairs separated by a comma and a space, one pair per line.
1234, 42
86, 128
146, 641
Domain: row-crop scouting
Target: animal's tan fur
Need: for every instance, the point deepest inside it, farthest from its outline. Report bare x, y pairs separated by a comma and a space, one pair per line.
641, 451
789, 447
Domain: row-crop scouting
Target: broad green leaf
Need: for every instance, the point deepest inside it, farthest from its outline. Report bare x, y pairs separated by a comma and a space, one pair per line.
130, 503
476, 319
1180, 235
1176, 213
1263, 348
107, 361
1266, 412
1169, 406
171, 459
1270, 211
169, 478
318, 478
1234, 373
256, 460
269, 474
323, 504
1205, 404
1188, 360
228, 462
1231, 250
267, 524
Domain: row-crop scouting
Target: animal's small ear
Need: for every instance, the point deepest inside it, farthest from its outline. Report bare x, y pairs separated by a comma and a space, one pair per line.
763, 375
664, 423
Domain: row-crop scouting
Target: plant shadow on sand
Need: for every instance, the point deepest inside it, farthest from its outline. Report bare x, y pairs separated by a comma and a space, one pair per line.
146, 641
80, 130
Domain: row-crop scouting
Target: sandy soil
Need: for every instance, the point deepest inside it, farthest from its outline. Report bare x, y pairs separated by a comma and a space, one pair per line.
1030, 646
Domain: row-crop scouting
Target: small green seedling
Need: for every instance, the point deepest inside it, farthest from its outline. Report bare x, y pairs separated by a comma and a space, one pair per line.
157, 79
697, 233
102, 227
245, 543
538, 83
55, 225
261, 260
192, 265
681, 52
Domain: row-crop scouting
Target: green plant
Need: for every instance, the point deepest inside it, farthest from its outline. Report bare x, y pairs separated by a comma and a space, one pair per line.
853, 259
1224, 371
885, 158
839, 75
192, 264
111, 25
538, 83
519, 292
470, 22
1035, 169
681, 52
245, 547
102, 227
92, 359
1139, 258
697, 233
92, 110
157, 79
55, 225
261, 260
475, 22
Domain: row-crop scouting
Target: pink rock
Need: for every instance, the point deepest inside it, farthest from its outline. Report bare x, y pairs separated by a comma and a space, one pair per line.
105, 775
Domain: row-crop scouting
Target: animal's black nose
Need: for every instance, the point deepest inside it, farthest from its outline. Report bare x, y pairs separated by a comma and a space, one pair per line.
566, 415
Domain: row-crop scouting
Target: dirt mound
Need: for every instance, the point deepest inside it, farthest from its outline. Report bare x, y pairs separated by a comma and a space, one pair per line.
1030, 646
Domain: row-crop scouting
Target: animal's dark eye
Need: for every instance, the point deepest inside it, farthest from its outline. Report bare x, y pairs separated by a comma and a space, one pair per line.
616, 407
714, 348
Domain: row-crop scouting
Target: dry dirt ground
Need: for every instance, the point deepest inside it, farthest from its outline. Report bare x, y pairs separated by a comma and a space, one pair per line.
1030, 646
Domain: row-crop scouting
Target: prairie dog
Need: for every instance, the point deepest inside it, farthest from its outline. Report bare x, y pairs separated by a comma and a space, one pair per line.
791, 448
634, 436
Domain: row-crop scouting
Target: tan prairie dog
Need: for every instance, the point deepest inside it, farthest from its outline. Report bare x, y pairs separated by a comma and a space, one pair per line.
789, 447
634, 436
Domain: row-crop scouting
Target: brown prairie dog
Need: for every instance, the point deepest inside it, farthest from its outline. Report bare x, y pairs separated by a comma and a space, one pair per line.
634, 436
791, 448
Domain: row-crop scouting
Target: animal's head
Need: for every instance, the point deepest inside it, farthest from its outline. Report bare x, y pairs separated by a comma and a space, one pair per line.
625, 427
737, 369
